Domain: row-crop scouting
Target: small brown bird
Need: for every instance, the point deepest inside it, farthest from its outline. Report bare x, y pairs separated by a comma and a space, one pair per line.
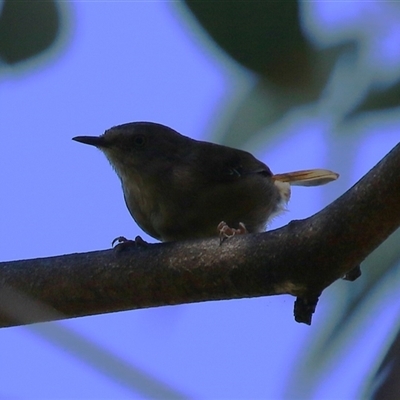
179, 188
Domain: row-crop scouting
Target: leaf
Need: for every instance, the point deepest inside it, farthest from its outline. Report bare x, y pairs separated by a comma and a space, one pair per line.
386, 383
253, 112
264, 36
377, 100
27, 28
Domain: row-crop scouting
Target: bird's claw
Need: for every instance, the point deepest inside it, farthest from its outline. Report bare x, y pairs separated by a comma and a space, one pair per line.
226, 232
119, 239
123, 243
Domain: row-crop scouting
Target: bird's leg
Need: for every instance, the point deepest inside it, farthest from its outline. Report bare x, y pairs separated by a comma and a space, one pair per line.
226, 232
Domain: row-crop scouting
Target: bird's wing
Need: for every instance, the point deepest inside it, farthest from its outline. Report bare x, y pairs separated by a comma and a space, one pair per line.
310, 177
225, 164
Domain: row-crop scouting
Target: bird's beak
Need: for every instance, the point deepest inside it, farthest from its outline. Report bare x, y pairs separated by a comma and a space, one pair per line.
97, 141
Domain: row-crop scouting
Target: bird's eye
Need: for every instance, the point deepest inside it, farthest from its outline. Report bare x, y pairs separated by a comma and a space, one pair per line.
139, 140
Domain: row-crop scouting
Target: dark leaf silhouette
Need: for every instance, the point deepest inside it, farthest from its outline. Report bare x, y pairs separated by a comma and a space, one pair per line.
27, 28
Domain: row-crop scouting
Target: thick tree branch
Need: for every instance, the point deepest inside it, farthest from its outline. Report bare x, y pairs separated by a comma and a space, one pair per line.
301, 259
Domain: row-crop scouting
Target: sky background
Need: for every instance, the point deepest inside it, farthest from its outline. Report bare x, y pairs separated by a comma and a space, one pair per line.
141, 61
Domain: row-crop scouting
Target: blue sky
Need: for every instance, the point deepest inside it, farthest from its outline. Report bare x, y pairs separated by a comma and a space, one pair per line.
132, 61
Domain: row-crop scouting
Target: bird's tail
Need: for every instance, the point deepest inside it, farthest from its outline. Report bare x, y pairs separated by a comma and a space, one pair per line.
309, 177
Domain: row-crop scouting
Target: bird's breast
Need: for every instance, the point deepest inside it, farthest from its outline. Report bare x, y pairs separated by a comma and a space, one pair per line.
143, 204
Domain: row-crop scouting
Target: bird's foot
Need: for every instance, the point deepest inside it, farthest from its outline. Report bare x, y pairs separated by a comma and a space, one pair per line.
226, 232
123, 243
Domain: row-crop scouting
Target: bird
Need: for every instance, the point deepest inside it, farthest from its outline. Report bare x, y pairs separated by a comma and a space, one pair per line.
178, 188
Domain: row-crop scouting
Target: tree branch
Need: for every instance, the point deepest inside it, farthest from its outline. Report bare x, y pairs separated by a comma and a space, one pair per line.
301, 259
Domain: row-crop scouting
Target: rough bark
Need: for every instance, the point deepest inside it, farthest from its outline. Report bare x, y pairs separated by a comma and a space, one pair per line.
301, 259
